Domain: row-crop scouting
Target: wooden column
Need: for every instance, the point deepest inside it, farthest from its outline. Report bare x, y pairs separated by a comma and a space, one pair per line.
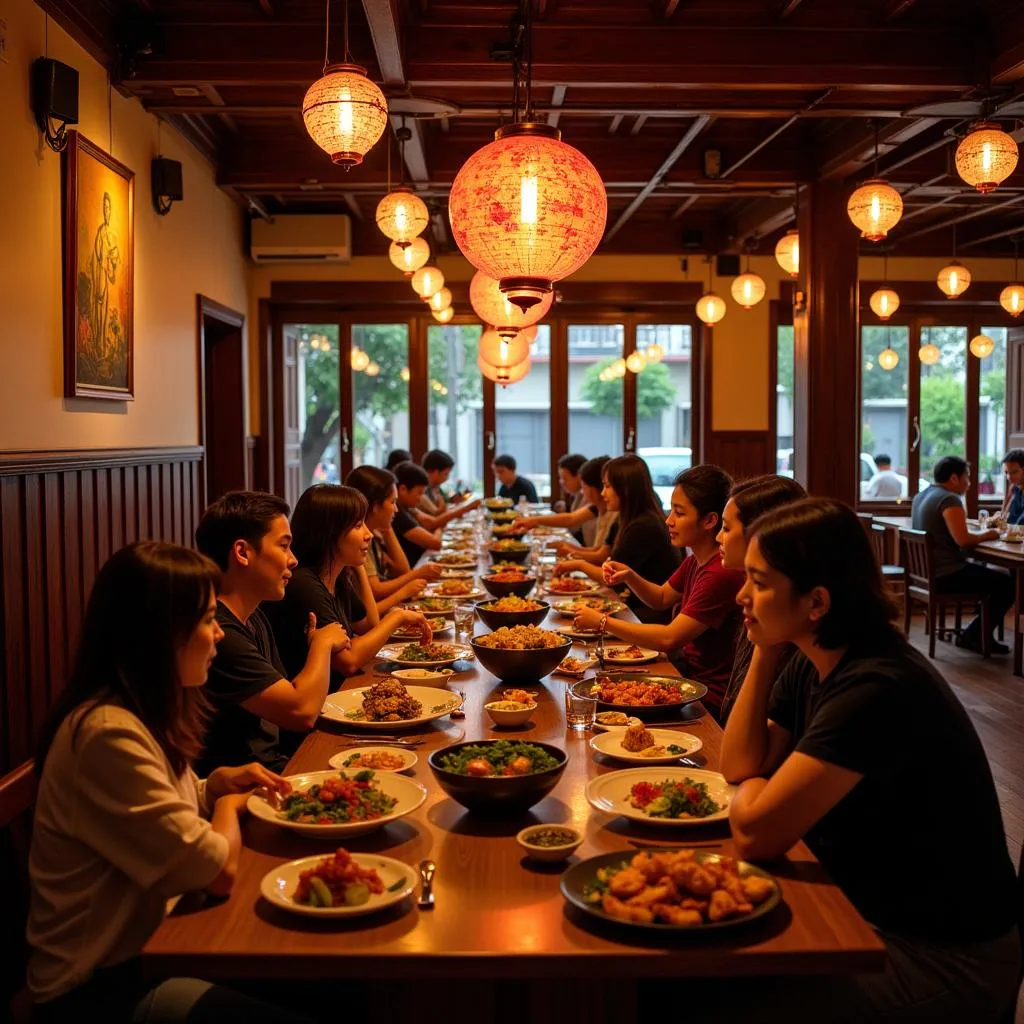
827, 354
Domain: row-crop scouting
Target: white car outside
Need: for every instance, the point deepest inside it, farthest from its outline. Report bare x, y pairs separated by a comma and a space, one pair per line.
665, 464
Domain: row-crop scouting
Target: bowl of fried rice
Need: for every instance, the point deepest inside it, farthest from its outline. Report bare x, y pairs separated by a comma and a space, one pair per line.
521, 652
512, 611
506, 582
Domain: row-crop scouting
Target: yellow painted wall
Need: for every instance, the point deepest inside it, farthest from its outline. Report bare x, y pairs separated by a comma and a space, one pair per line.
196, 248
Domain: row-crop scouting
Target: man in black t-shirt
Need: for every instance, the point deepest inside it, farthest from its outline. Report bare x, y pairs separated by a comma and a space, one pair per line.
513, 485
247, 534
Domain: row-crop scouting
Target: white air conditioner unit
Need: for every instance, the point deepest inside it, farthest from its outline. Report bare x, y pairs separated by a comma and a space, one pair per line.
302, 238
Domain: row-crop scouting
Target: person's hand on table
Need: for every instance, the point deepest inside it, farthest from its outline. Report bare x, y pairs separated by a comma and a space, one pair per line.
429, 571
566, 567
614, 573
414, 588
563, 548
408, 618
588, 618
243, 779
332, 634
990, 535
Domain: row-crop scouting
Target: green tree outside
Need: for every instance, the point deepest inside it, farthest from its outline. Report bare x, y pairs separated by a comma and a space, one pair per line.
655, 391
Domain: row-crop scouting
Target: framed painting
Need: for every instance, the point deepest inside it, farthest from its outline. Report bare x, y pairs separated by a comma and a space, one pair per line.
99, 268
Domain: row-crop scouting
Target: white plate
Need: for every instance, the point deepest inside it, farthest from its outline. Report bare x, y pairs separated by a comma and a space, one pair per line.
409, 759
615, 728
409, 795
279, 885
580, 634
611, 659
564, 606
590, 585
392, 653
466, 562
346, 706
610, 793
475, 594
610, 743
579, 673
459, 574
411, 638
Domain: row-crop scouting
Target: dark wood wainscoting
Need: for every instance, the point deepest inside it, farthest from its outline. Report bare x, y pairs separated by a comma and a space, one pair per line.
62, 514
741, 453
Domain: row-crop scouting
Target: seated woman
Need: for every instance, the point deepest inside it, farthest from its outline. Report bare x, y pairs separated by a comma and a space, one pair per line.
842, 753
641, 541
701, 638
747, 501
330, 541
387, 568
121, 823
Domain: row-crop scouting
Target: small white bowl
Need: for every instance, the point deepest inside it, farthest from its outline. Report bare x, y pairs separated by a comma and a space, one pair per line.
423, 676
549, 853
510, 717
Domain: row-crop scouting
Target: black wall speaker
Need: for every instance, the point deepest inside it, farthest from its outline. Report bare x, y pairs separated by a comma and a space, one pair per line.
165, 177
54, 99
692, 239
727, 264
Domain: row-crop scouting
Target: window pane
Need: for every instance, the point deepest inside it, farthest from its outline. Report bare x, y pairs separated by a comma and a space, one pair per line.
784, 399
663, 388
992, 417
942, 398
319, 409
380, 400
454, 400
595, 406
883, 413
523, 416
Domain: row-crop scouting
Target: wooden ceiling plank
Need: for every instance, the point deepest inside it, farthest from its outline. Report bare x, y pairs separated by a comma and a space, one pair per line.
895, 8
382, 17
678, 150
613, 125
1017, 229
787, 8
557, 99
853, 146
763, 218
638, 124
683, 207
982, 211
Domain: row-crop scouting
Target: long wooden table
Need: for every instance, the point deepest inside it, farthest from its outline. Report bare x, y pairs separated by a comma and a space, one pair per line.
498, 915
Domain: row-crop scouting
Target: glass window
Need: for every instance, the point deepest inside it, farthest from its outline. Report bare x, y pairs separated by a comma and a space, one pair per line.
663, 388
883, 413
454, 400
784, 399
992, 417
380, 393
523, 416
319, 409
595, 405
943, 389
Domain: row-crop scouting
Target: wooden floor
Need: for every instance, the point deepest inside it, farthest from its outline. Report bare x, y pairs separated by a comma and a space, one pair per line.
994, 698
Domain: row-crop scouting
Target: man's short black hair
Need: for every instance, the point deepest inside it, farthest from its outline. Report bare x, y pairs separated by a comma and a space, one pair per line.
947, 466
572, 463
409, 475
436, 461
881, 457
505, 460
397, 456
238, 515
1014, 455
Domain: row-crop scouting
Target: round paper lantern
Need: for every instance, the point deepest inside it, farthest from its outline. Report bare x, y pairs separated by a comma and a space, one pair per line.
888, 359
503, 375
493, 307
441, 299
502, 351
372, 369
443, 316
982, 345
787, 252
618, 369
527, 210
405, 374
409, 258
359, 360
636, 362
427, 280
710, 308
929, 354
884, 302
748, 289
875, 208
953, 279
1011, 298
986, 157
529, 333
345, 113
655, 353
402, 215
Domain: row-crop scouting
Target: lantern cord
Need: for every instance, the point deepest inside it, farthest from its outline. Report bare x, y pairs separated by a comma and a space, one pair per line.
327, 36
876, 149
1016, 257
346, 57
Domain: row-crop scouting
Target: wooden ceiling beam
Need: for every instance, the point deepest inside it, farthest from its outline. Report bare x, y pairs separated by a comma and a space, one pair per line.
557, 99
984, 210
895, 8
764, 217
382, 17
852, 147
788, 7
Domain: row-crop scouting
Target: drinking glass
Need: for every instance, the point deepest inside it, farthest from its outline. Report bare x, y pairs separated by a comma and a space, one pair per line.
580, 711
465, 615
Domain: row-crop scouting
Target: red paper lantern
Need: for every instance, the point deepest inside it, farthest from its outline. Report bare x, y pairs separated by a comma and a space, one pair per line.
494, 308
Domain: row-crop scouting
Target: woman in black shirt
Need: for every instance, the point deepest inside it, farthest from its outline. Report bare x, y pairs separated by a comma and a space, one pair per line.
862, 750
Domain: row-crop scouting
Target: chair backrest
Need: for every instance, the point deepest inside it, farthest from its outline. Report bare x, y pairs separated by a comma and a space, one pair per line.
17, 797
867, 520
879, 537
916, 559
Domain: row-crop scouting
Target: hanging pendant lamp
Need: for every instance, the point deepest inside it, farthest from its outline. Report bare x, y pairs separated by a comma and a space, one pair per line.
710, 307
493, 307
443, 316
982, 346
427, 280
409, 258
502, 351
986, 156
953, 279
875, 207
1011, 298
787, 252
401, 215
884, 301
748, 289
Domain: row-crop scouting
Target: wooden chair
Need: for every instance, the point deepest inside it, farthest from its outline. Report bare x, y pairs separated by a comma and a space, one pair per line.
17, 797
916, 559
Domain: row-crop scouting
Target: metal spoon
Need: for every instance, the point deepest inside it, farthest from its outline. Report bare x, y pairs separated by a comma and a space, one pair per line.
427, 868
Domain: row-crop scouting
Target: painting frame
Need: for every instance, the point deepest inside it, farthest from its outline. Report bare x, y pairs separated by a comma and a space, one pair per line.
99, 273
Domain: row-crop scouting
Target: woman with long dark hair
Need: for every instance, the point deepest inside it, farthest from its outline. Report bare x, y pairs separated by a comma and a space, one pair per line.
121, 822
842, 751
641, 540
330, 540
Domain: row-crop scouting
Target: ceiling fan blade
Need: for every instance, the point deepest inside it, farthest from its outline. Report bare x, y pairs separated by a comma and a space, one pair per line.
947, 108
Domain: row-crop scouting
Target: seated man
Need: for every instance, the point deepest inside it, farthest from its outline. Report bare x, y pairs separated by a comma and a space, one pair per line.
410, 525
397, 456
939, 511
513, 485
247, 534
569, 467
1013, 506
885, 483
439, 466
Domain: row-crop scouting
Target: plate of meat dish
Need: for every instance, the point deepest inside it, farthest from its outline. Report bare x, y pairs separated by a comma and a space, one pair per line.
389, 704
637, 692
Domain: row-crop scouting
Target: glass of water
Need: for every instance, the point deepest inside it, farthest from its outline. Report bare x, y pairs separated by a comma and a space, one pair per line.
580, 711
465, 616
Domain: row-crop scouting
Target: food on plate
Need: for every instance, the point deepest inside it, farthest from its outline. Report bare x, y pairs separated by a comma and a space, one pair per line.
438, 605
569, 585
389, 701
501, 566
379, 760
510, 545
427, 652
502, 529
574, 666
519, 696
518, 575
337, 801
497, 502
599, 604
635, 692
514, 604
625, 652
455, 588
521, 638
672, 750
453, 558
436, 626
337, 881
615, 718
548, 837
673, 799
637, 738
679, 887
502, 758
510, 705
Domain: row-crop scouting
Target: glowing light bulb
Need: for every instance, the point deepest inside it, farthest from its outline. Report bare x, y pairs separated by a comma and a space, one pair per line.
528, 199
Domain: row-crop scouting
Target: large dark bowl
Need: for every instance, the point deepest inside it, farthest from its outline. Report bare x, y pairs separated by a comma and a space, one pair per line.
509, 554
499, 589
495, 620
520, 666
497, 794
689, 690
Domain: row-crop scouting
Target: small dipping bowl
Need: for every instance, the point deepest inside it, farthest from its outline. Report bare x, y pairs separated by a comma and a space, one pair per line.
560, 851
423, 676
502, 713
